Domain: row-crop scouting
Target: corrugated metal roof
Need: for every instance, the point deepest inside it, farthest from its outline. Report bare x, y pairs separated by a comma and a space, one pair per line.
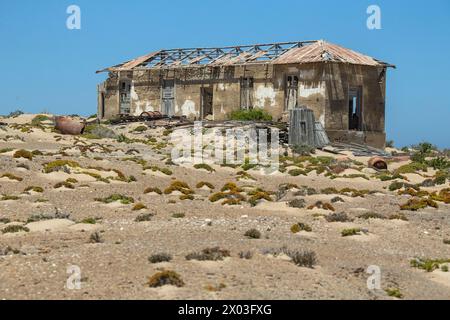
274, 53
322, 51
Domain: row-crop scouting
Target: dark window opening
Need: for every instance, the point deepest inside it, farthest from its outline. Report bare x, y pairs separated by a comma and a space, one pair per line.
291, 92
125, 97
168, 98
355, 109
247, 93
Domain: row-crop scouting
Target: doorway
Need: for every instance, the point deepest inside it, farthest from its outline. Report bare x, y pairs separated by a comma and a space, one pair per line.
125, 97
247, 93
291, 93
102, 105
355, 109
207, 102
168, 98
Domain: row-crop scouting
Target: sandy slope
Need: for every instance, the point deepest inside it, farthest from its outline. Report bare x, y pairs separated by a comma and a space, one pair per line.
118, 267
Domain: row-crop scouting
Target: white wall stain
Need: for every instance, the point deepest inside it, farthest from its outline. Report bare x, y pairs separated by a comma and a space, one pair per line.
306, 91
322, 120
188, 108
264, 94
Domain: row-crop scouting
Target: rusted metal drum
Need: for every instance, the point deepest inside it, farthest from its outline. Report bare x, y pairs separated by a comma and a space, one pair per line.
378, 163
70, 126
151, 114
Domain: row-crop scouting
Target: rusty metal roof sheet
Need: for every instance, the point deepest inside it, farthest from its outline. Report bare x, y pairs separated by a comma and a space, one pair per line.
322, 51
272, 53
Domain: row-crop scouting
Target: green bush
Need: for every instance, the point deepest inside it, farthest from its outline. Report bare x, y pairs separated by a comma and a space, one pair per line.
163, 278
250, 115
253, 234
96, 131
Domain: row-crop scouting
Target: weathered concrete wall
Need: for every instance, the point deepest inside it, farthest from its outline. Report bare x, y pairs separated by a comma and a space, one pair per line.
323, 87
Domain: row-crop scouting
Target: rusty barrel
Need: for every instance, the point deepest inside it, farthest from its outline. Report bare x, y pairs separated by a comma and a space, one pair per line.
67, 125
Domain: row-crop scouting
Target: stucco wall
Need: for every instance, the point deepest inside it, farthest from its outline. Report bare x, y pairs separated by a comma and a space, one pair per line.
323, 87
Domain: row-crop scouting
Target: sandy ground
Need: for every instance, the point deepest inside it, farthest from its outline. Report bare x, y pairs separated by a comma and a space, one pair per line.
36, 264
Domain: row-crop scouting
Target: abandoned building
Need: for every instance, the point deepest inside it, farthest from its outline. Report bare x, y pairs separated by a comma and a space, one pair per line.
345, 89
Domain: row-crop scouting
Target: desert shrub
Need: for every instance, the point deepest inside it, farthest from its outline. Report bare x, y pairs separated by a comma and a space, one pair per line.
166, 171
59, 165
321, 205
439, 163
446, 241
178, 215
187, 197
253, 234
23, 154
179, 186
139, 206
145, 217
209, 254
153, 190
95, 238
443, 196
303, 150
354, 176
337, 199
371, 215
34, 189
140, 129
97, 131
390, 144
230, 186
204, 166
250, 115
15, 114
350, 232
89, 221
329, 191
297, 172
160, 257
6, 197
444, 268
328, 206
418, 204
394, 292
297, 203
396, 186
441, 177
5, 220
15, 229
203, 184
38, 119
307, 259
260, 195
413, 167
10, 176
429, 265
116, 197
164, 278
296, 228
64, 184
398, 216
338, 217
247, 255
5, 150
231, 198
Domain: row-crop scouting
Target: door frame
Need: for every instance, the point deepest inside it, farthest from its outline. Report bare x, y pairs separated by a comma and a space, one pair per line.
203, 90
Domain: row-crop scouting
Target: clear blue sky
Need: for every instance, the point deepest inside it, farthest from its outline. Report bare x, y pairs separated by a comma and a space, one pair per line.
46, 67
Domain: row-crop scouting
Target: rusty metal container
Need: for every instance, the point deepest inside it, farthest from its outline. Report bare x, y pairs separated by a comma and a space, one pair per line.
70, 126
378, 163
